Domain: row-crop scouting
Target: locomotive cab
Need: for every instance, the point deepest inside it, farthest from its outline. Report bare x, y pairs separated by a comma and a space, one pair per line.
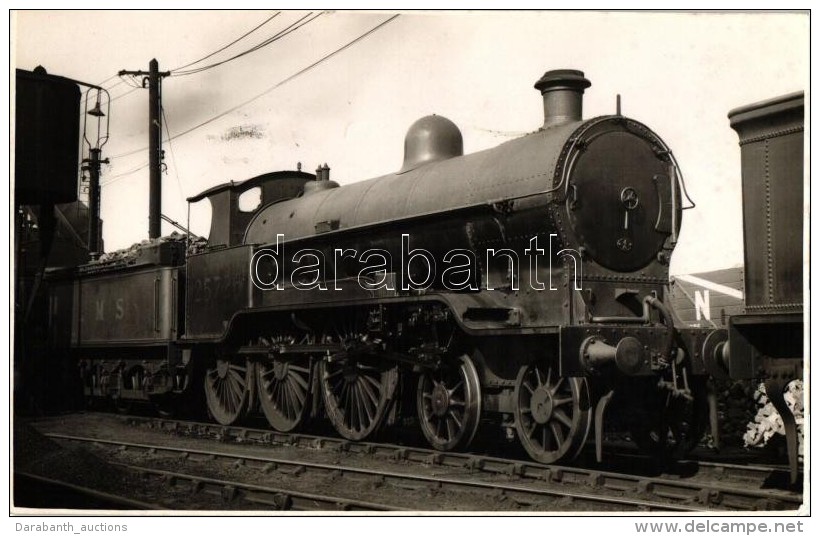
228, 221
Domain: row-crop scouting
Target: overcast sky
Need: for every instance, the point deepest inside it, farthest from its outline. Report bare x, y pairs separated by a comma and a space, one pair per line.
680, 73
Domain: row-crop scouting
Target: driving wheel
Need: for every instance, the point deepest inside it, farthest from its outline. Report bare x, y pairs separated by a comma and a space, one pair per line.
448, 400
553, 414
228, 389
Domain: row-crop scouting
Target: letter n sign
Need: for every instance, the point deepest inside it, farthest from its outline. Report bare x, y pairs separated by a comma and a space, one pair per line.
702, 310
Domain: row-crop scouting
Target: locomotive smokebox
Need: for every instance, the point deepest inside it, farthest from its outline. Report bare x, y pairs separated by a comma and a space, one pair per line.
563, 92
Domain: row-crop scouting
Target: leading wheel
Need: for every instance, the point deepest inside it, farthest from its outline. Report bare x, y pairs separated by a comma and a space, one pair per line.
449, 404
228, 389
553, 414
284, 391
357, 395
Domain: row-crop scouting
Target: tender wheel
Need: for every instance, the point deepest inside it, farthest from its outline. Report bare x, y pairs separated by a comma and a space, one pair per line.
284, 392
100, 385
449, 404
552, 414
356, 396
228, 390
672, 426
130, 379
166, 392
163, 403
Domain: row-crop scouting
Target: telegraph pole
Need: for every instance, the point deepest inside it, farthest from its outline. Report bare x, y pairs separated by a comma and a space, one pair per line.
154, 147
153, 78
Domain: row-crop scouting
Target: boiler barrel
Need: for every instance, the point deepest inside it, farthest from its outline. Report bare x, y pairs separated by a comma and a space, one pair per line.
518, 168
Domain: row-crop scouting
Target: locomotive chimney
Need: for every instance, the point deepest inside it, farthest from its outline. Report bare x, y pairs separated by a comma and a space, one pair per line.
563, 92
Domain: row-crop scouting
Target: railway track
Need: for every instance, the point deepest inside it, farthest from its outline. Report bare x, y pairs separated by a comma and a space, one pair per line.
239, 494
37, 491
714, 486
523, 494
43, 492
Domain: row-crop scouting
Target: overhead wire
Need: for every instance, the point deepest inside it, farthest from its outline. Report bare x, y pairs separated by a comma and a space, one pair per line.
263, 44
106, 80
279, 35
123, 80
272, 88
124, 174
132, 81
171, 148
135, 85
229, 44
112, 86
286, 80
246, 34
132, 90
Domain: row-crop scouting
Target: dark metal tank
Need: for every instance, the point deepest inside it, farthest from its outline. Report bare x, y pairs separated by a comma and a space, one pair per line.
771, 149
47, 136
771, 141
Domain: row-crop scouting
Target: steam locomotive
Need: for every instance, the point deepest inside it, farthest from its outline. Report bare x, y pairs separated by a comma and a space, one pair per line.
522, 288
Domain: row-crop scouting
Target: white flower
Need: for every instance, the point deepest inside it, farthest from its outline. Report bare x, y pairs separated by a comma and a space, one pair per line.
768, 422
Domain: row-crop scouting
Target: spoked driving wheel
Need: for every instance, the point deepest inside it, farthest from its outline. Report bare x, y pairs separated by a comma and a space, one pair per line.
284, 391
228, 389
357, 394
552, 414
449, 404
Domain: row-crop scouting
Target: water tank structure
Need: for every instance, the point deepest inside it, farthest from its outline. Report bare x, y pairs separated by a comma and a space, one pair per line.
47, 137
